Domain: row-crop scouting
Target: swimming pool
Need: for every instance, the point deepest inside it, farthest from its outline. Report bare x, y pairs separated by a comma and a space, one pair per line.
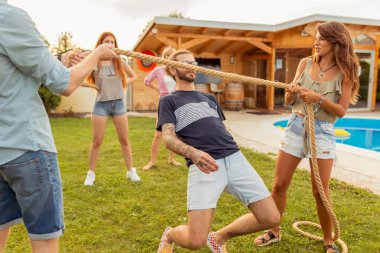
362, 132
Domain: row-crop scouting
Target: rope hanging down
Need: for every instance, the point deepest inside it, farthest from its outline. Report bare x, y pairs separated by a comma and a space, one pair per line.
258, 81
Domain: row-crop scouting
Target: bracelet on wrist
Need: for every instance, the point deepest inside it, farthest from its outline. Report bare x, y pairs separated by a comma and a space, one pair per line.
321, 100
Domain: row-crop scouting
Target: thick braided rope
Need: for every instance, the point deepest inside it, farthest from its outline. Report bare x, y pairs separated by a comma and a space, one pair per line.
317, 177
258, 81
224, 75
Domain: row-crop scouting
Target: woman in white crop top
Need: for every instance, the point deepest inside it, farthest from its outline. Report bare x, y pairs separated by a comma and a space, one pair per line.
110, 79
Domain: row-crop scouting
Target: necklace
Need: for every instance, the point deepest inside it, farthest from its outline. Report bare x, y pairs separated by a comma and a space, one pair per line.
322, 73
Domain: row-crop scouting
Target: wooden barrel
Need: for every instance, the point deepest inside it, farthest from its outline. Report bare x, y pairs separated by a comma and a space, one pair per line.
203, 87
234, 96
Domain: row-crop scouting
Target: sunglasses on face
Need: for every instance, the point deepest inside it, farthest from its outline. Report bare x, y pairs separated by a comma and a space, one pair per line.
190, 62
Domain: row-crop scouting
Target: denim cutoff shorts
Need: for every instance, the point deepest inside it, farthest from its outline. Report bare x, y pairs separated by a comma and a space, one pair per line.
235, 176
292, 141
109, 108
31, 192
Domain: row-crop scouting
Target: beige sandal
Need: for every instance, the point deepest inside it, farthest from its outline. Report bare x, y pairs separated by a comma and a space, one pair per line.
264, 241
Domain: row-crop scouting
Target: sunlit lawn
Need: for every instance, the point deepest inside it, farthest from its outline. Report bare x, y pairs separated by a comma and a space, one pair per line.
117, 215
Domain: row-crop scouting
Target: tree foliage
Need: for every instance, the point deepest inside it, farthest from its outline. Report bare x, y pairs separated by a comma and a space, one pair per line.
176, 14
50, 100
64, 43
172, 14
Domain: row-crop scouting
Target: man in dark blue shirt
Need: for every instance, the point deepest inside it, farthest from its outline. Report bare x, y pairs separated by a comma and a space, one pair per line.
191, 123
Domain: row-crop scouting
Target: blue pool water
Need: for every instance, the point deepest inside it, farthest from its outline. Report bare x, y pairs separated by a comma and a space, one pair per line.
365, 133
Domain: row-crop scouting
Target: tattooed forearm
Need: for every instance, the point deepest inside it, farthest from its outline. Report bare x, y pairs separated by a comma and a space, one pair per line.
176, 145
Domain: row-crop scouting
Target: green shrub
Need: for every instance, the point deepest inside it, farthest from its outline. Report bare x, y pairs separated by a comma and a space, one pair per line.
50, 100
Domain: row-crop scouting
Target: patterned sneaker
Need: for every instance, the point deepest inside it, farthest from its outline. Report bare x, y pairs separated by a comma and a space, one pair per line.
90, 178
215, 248
132, 175
165, 247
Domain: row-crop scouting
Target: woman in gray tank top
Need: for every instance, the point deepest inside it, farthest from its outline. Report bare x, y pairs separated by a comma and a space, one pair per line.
110, 79
329, 81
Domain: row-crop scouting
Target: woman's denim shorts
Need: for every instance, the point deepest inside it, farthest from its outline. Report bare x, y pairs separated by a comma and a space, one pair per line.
293, 140
31, 192
109, 108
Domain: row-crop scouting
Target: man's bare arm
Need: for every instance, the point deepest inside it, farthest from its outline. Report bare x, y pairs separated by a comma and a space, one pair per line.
203, 160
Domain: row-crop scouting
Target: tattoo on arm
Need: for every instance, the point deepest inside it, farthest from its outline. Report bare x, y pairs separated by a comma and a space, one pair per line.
176, 145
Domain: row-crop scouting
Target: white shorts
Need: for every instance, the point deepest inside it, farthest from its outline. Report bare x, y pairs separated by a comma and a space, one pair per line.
235, 176
292, 141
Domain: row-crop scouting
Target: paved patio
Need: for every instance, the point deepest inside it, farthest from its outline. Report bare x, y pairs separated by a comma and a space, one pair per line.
355, 166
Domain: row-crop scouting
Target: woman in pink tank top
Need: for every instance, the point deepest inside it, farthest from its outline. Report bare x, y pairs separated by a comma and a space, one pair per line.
166, 85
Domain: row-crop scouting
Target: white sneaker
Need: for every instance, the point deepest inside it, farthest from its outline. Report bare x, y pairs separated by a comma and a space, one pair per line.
132, 175
90, 178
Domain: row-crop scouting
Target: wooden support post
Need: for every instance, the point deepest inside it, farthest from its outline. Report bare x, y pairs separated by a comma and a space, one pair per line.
375, 74
270, 90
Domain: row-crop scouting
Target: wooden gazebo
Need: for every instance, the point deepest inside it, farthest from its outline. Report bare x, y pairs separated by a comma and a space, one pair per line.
264, 51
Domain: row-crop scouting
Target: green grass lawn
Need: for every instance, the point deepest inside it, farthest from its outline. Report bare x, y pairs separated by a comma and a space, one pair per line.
117, 215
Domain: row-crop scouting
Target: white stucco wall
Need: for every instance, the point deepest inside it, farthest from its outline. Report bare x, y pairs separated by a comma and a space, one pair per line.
81, 101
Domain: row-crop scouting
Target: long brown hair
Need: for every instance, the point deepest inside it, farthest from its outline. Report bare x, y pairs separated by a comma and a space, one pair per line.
117, 62
345, 57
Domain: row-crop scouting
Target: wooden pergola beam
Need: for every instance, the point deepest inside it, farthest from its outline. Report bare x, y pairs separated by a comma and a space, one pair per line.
166, 41
191, 43
247, 34
261, 45
205, 45
224, 47
204, 30
243, 49
226, 32
213, 37
160, 48
179, 43
179, 29
373, 30
371, 36
257, 57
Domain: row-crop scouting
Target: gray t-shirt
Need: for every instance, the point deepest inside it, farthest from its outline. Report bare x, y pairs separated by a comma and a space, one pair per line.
109, 83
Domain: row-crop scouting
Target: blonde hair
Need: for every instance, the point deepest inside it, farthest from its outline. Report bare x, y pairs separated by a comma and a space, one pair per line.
168, 51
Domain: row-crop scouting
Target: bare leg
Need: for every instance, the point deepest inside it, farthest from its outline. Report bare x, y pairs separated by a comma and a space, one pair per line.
45, 246
325, 167
171, 159
285, 166
193, 235
4, 234
154, 150
264, 215
121, 124
98, 130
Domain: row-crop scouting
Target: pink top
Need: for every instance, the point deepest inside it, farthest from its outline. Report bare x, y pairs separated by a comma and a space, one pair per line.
166, 84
